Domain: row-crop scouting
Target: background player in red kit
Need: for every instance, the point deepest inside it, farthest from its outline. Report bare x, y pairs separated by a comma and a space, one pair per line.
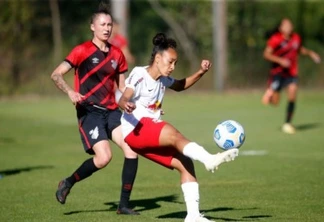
120, 41
99, 66
282, 50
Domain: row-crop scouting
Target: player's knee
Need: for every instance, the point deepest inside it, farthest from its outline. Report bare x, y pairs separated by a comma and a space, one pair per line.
103, 160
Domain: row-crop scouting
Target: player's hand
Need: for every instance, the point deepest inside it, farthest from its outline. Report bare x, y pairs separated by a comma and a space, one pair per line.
205, 65
315, 57
75, 97
285, 63
129, 107
162, 112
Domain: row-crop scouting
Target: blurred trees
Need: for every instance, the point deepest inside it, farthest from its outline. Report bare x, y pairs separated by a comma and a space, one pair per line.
30, 37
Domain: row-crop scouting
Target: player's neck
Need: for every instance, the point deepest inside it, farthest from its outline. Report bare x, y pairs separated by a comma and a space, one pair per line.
153, 72
102, 45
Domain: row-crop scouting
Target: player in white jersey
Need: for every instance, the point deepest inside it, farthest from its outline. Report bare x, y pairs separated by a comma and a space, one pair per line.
157, 140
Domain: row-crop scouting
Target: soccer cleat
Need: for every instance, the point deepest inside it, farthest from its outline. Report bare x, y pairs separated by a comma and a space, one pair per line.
288, 128
63, 190
126, 211
200, 218
220, 158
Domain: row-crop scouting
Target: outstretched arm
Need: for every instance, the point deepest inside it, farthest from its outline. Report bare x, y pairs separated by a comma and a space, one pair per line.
183, 84
314, 56
57, 77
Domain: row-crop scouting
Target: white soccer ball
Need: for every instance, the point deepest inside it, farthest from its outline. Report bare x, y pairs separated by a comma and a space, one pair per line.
229, 134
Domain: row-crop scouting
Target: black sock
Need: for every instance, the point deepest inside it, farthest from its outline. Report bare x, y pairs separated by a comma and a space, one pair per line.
128, 178
85, 170
290, 111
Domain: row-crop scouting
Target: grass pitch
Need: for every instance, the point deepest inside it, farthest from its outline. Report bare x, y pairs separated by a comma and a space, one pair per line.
277, 177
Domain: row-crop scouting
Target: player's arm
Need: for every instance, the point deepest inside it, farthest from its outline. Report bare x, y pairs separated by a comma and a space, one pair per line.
314, 56
124, 102
120, 81
57, 77
183, 84
268, 55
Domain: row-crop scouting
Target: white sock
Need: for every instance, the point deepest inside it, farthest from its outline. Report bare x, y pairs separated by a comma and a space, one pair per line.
191, 196
196, 152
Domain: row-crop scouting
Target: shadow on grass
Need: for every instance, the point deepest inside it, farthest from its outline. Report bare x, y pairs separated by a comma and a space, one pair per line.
20, 170
182, 214
141, 204
7, 140
307, 126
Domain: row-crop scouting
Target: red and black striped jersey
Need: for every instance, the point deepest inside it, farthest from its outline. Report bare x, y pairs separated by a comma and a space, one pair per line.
96, 72
285, 48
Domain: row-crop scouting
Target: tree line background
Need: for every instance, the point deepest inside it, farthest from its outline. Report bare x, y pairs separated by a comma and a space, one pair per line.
36, 35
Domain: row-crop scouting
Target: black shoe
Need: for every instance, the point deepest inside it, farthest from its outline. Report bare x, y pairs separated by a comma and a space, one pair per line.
126, 211
63, 190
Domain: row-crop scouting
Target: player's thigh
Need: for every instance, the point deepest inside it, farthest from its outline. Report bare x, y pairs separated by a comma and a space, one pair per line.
170, 136
91, 127
118, 138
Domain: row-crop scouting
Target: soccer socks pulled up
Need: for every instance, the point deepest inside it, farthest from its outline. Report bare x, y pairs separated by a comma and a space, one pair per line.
290, 111
86, 169
191, 196
196, 152
128, 178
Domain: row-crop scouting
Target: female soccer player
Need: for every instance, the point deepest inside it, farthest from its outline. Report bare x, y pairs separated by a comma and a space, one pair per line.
156, 139
282, 50
98, 67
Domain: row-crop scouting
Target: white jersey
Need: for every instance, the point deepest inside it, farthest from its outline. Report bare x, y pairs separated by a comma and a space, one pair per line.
148, 96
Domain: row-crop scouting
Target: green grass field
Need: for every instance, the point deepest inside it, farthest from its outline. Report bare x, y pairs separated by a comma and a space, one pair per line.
39, 145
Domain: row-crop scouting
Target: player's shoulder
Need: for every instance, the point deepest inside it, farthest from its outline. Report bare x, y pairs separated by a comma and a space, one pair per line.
139, 70
276, 36
115, 49
83, 46
295, 36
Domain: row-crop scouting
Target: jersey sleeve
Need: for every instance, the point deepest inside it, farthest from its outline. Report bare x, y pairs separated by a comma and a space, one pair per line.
273, 41
74, 57
134, 81
167, 81
122, 64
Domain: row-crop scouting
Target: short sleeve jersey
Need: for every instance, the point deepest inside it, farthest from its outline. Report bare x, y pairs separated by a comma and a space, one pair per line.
148, 97
96, 73
285, 48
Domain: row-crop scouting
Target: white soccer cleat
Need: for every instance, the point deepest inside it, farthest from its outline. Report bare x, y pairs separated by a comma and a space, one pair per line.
200, 218
288, 128
219, 158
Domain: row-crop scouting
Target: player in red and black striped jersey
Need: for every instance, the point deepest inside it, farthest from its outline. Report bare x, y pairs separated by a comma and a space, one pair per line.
282, 49
99, 66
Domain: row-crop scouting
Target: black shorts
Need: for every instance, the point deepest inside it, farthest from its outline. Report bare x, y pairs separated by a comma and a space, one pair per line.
96, 124
278, 82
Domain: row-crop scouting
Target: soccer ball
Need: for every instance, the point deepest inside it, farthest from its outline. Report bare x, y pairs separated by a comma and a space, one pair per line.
229, 134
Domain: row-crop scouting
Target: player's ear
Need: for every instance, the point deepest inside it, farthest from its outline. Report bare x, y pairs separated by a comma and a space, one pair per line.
92, 27
158, 58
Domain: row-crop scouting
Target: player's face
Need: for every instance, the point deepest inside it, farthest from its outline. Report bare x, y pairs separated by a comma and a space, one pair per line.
102, 27
286, 27
166, 61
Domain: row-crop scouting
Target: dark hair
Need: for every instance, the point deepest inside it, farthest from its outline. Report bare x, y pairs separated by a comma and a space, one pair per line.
103, 8
161, 43
269, 33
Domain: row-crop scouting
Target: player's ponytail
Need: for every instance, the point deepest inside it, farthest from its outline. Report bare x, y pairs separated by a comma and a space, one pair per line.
161, 43
103, 8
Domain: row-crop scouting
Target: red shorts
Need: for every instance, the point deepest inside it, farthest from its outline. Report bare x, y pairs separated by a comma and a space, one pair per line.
144, 140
